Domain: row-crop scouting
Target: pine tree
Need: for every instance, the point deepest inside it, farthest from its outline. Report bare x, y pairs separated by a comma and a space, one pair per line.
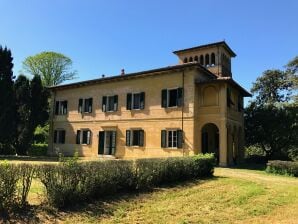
7, 103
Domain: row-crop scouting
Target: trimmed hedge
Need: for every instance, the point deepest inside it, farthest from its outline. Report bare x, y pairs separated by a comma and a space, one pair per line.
38, 150
282, 167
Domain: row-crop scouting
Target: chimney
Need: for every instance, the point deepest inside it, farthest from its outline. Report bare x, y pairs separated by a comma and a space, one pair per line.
122, 71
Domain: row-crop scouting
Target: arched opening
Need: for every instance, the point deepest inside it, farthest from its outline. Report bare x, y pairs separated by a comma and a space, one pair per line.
210, 139
202, 60
190, 59
212, 59
185, 60
207, 60
196, 59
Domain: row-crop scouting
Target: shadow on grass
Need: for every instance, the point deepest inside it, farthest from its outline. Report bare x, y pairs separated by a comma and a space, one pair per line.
98, 208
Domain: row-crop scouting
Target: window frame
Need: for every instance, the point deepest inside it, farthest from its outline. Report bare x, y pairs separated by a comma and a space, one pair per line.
141, 137
179, 99
80, 142
106, 105
56, 139
172, 138
62, 107
165, 135
168, 97
133, 100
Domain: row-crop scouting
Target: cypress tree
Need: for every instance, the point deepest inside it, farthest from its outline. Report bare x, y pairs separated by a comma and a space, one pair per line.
7, 103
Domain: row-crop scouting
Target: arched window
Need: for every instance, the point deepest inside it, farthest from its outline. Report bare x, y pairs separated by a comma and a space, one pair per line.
190, 59
212, 59
185, 60
196, 59
202, 60
207, 60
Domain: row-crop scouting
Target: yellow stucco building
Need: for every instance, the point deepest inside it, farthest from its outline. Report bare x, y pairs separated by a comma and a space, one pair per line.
192, 107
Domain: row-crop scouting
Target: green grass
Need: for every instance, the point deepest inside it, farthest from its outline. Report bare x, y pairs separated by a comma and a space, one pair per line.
232, 196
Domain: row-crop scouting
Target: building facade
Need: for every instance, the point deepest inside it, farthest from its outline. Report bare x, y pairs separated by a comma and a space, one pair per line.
190, 108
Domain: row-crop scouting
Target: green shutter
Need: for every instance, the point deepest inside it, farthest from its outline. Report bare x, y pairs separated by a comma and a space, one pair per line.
164, 98
78, 137
163, 138
141, 137
90, 105
128, 137
55, 136
142, 100
104, 104
128, 101
114, 136
115, 102
80, 106
62, 140
101, 143
180, 97
179, 139
57, 108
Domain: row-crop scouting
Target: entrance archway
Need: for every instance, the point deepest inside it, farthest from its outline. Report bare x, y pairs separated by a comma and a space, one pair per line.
210, 139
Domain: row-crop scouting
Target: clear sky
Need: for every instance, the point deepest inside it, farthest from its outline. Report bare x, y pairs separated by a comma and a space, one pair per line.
104, 36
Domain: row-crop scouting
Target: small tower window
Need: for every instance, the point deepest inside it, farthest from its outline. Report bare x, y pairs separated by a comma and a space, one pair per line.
190, 59
207, 60
196, 59
212, 59
202, 60
185, 60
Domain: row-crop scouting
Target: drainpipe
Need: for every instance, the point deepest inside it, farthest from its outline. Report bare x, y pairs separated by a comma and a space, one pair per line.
182, 110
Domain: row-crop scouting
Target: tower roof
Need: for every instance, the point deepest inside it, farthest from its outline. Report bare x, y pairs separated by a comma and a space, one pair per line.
221, 43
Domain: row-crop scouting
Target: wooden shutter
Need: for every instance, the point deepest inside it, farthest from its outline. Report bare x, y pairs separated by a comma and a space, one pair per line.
57, 108
180, 97
164, 98
128, 101
101, 143
128, 137
142, 100
163, 138
55, 136
104, 104
78, 138
80, 107
115, 102
90, 105
141, 137
179, 139
114, 134
62, 139
88, 137
65, 107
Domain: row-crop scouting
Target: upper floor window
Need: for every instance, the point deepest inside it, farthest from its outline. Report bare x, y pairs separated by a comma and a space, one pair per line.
172, 97
59, 136
85, 105
109, 103
61, 107
171, 138
135, 101
207, 60
83, 137
135, 137
212, 59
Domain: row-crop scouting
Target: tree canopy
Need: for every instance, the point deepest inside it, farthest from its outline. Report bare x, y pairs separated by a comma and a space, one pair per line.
53, 68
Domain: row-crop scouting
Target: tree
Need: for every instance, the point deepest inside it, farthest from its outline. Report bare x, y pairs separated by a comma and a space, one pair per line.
292, 71
53, 68
7, 104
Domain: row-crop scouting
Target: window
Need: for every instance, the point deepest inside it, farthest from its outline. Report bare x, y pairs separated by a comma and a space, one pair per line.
85, 105
107, 143
109, 103
229, 98
83, 137
212, 59
135, 101
134, 137
185, 60
61, 107
207, 59
172, 97
59, 136
171, 138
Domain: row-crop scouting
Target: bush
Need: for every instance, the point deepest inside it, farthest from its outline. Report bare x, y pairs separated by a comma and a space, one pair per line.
282, 167
38, 150
15, 182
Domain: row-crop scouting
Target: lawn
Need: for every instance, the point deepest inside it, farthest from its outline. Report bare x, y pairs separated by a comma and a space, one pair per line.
232, 196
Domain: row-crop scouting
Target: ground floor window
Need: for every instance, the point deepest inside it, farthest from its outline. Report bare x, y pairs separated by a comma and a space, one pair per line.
107, 143
172, 138
59, 136
83, 137
135, 137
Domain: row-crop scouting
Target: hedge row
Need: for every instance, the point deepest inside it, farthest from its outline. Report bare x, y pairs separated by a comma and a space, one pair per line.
283, 167
70, 181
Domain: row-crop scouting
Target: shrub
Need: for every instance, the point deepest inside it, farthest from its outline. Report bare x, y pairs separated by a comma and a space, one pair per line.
282, 167
38, 149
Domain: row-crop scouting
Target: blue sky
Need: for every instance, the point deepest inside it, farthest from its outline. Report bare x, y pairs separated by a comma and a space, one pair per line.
102, 37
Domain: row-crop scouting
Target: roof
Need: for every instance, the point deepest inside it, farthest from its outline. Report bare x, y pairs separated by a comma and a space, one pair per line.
230, 81
220, 43
135, 75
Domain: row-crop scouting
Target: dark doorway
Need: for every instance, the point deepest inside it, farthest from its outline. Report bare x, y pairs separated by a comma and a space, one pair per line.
210, 139
107, 143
